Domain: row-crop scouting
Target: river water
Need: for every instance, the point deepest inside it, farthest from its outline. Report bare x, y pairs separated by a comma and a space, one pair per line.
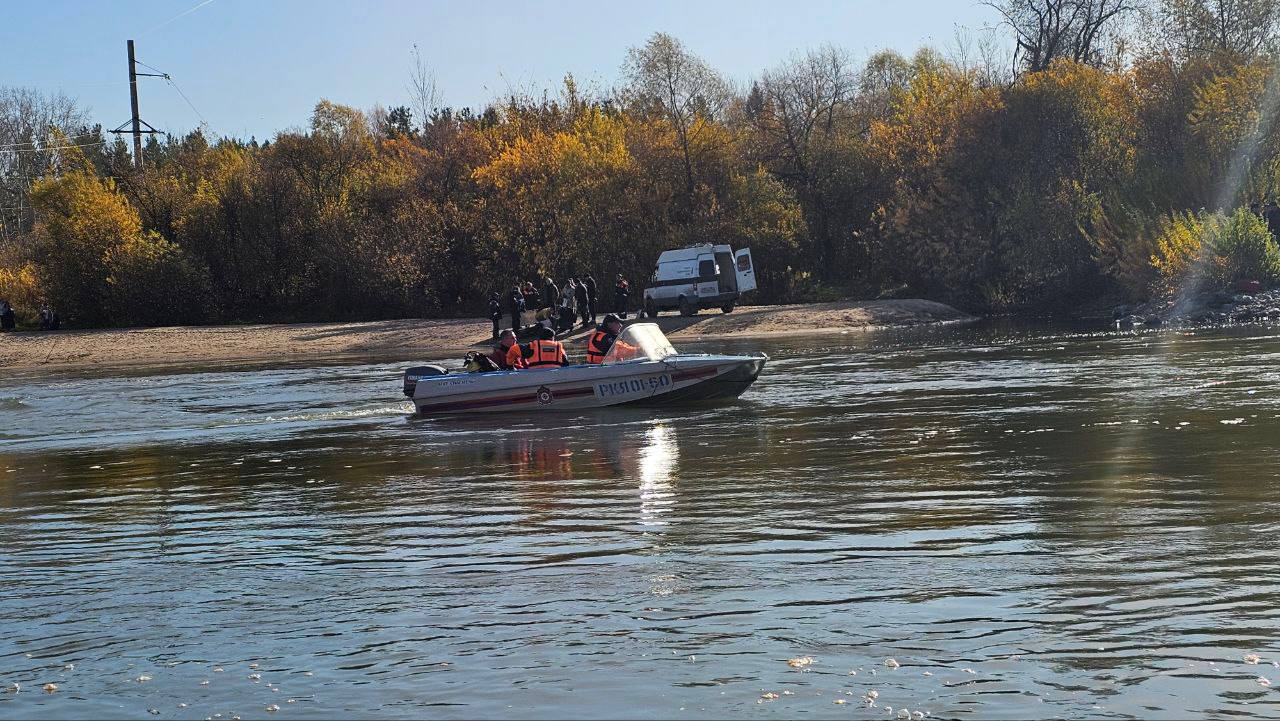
1029, 522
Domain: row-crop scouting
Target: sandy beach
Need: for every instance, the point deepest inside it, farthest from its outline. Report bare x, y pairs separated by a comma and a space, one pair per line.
321, 342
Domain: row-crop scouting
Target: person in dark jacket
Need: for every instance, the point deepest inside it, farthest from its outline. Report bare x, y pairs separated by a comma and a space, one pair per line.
592, 298
621, 290
530, 296
550, 293
495, 313
8, 319
515, 306
584, 302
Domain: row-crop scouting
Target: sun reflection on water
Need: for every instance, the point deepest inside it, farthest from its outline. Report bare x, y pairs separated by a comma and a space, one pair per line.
657, 460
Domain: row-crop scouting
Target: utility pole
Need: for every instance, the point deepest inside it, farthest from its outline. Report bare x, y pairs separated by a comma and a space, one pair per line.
133, 102
136, 123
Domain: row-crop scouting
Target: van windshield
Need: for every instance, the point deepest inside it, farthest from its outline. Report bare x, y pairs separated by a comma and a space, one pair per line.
641, 341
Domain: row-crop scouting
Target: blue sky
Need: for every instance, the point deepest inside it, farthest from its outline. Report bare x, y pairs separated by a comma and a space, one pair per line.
254, 67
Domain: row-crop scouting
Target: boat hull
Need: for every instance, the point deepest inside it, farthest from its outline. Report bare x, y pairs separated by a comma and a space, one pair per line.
676, 380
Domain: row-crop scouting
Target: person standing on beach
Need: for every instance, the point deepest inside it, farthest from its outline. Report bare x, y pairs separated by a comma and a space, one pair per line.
568, 298
550, 293
592, 298
530, 296
621, 289
584, 302
495, 313
515, 304
8, 319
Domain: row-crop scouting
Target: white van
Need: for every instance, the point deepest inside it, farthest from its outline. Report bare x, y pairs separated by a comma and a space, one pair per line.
703, 276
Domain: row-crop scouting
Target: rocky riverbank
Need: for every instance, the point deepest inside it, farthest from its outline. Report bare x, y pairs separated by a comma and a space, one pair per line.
1209, 308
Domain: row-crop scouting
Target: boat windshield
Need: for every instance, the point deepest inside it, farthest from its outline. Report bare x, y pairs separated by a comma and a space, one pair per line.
641, 341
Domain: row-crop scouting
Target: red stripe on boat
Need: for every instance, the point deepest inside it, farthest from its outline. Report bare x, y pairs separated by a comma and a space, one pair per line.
502, 400
689, 375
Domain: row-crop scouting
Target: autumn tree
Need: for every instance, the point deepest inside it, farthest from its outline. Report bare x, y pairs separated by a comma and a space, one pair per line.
1047, 30
1236, 29
32, 125
811, 131
686, 91
94, 260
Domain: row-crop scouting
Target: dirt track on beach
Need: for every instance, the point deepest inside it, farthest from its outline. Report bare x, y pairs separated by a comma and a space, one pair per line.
397, 339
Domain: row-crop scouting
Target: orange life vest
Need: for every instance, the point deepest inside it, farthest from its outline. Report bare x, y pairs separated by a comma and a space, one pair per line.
504, 360
545, 354
597, 348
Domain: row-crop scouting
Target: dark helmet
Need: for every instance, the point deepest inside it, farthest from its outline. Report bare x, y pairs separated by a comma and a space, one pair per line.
612, 318
545, 332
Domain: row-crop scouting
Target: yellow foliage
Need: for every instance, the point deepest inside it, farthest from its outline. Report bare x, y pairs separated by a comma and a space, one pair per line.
1103, 105
80, 220
931, 115
83, 210
596, 146
19, 286
1178, 246
1227, 109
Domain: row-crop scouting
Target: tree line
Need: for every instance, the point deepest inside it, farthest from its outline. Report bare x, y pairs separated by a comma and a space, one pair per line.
1105, 160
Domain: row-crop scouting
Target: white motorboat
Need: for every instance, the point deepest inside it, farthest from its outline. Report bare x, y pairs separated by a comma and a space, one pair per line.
640, 369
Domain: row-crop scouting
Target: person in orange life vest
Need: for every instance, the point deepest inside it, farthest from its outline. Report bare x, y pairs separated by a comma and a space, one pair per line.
502, 350
541, 354
604, 339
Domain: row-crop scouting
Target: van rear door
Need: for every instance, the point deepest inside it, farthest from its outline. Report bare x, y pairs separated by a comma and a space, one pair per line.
746, 270
708, 279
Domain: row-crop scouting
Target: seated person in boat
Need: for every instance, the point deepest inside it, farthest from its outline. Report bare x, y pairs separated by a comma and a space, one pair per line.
605, 337
502, 350
541, 354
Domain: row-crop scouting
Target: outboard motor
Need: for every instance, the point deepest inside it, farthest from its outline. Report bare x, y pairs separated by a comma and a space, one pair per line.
412, 375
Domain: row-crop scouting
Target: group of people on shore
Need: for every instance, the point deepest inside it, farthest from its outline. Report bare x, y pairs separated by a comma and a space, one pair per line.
544, 351
561, 307
9, 317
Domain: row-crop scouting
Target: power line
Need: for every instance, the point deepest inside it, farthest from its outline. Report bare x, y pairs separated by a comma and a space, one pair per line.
50, 149
184, 97
169, 79
163, 74
60, 86
45, 140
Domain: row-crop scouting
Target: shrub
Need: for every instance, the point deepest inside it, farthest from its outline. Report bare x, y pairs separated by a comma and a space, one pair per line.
152, 281
1217, 248
1244, 249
